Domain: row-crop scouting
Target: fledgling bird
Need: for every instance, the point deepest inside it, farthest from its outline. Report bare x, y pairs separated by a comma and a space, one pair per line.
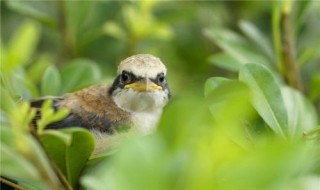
134, 100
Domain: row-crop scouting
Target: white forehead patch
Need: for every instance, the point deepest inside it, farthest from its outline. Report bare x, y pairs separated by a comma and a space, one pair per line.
143, 65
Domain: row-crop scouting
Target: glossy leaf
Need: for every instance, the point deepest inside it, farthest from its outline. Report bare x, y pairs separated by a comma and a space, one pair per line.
21, 45
6, 101
51, 81
257, 37
70, 149
302, 116
235, 45
225, 61
213, 83
78, 74
266, 97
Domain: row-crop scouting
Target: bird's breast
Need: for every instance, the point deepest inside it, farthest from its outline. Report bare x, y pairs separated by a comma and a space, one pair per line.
145, 122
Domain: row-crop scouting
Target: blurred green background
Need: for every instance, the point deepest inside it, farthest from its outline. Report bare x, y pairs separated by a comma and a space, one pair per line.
236, 120
106, 32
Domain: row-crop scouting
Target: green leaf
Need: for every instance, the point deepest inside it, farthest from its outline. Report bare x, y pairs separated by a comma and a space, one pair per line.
22, 45
225, 61
78, 74
266, 97
213, 83
70, 149
113, 29
257, 37
28, 164
36, 10
235, 45
301, 12
14, 165
306, 56
48, 115
36, 69
302, 116
6, 101
51, 81
78, 13
18, 85
228, 101
315, 87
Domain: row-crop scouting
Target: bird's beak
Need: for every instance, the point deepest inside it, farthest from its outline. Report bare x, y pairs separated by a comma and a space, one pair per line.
143, 86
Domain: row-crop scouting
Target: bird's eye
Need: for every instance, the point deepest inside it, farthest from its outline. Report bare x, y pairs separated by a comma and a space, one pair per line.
125, 77
161, 79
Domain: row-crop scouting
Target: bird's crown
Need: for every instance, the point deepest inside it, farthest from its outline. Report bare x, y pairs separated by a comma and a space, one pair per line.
142, 65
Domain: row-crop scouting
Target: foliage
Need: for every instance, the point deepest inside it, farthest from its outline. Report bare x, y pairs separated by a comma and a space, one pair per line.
257, 127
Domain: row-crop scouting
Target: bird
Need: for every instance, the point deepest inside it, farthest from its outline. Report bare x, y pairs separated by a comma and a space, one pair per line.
132, 103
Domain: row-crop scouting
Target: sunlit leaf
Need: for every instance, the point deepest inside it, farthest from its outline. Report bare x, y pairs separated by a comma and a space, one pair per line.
302, 116
49, 115
266, 97
70, 149
235, 45
113, 29
22, 45
213, 83
225, 61
257, 37
6, 101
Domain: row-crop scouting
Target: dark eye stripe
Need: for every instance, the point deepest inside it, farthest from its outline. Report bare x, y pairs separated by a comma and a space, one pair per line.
120, 83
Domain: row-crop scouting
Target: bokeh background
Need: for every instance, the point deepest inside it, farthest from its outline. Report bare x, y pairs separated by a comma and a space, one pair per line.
105, 32
259, 132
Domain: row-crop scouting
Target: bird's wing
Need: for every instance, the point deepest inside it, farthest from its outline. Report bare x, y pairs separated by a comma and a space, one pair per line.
90, 108
71, 120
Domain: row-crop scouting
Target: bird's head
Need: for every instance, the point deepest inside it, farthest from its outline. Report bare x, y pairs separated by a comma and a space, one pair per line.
141, 84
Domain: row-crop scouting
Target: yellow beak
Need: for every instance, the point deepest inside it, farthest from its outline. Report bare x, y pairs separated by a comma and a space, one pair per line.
143, 86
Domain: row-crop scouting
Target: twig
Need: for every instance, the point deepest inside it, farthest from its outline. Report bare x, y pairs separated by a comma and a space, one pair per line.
68, 41
291, 72
11, 184
277, 34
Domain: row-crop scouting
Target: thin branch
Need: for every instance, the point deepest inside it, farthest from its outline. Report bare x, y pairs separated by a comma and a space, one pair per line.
291, 72
11, 184
68, 41
276, 31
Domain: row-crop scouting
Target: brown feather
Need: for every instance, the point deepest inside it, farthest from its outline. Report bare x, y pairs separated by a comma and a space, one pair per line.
91, 108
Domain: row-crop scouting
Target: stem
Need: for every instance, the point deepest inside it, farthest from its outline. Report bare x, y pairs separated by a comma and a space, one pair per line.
68, 41
11, 184
277, 34
292, 74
